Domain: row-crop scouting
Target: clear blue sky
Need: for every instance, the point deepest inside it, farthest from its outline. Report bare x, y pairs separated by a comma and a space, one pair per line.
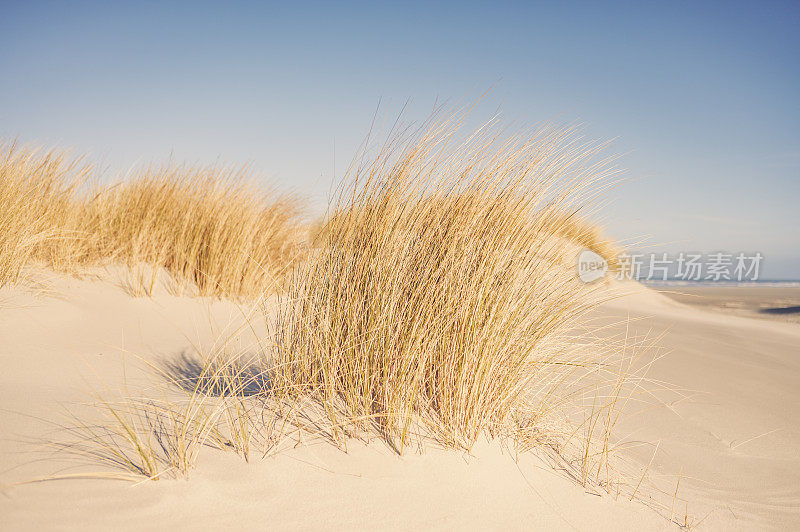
703, 98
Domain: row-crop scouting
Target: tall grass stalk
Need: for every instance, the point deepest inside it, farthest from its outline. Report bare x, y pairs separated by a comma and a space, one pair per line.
437, 293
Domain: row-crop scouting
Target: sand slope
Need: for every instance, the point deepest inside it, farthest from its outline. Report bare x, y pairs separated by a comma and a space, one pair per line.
748, 371
52, 343
735, 432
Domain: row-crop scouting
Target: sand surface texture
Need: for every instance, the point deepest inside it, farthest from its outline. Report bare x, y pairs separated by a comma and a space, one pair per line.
732, 434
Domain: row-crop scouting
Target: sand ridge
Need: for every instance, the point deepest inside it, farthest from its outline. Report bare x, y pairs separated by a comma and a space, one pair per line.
735, 441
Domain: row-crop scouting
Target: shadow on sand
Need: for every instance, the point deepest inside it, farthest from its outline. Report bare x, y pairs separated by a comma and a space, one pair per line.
781, 310
239, 377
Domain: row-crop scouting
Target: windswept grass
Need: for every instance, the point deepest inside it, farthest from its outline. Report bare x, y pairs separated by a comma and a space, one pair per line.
212, 228
212, 400
135, 436
586, 234
439, 299
437, 293
576, 229
39, 210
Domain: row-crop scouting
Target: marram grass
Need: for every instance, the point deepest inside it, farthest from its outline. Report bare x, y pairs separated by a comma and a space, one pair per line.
38, 207
439, 297
437, 292
212, 228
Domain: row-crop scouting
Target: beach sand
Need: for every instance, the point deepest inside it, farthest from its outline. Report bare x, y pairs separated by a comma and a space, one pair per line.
731, 435
732, 430
780, 303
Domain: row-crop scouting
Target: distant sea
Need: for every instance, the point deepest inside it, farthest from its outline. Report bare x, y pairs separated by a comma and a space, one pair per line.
760, 282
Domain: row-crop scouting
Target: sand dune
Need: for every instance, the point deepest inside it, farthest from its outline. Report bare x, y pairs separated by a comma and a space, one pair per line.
734, 438
734, 431
780, 302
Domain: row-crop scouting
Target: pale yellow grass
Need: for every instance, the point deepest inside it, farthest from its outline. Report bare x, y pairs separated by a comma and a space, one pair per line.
215, 398
578, 229
38, 207
214, 229
436, 302
436, 298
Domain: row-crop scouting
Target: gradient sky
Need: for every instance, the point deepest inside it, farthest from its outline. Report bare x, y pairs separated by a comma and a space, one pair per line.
703, 99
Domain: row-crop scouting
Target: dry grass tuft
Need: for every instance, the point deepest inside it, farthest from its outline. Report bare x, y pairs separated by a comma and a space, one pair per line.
39, 210
436, 294
140, 437
588, 235
214, 400
213, 229
439, 299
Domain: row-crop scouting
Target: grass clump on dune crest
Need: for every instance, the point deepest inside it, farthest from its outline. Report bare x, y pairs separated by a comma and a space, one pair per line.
436, 293
212, 228
39, 209
439, 299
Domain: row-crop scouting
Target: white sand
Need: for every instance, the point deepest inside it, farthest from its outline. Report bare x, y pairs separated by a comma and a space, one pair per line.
736, 435
747, 369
